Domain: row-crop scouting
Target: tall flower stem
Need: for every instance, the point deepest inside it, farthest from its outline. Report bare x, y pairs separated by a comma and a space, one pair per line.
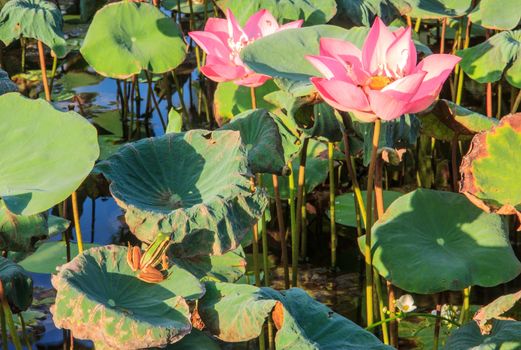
4, 329
368, 210
292, 215
465, 307
77, 226
443, 31
153, 95
298, 215
24, 331
461, 74
9, 319
282, 231
43, 68
437, 324
381, 303
332, 194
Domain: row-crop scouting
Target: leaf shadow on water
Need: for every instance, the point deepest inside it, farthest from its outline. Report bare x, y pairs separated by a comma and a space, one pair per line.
425, 251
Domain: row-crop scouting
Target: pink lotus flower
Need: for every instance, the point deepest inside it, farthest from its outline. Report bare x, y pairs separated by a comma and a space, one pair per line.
382, 80
223, 40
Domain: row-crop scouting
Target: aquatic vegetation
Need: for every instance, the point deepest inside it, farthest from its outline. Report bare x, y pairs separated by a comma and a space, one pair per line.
378, 140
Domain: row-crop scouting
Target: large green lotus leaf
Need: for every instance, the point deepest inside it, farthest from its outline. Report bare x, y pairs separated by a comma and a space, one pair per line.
489, 15
18, 285
57, 153
316, 171
395, 135
234, 312
50, 255
434, 8
134, 36
196, 340
311, 11
6, 84
449, 243
492, 168
36, 19
487, 61
198, 6
231, 99
193, 186
228, 267
363, 12
345, 213
504, 336
292, 46
260, 134
446, 118
100, 298
310, 325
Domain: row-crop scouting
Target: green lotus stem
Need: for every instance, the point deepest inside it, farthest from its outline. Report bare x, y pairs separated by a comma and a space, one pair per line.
461, 73
417, 25
5, 341
255, 244
437, 324
499, 99
181, 97
262, 340
393, 326
412, 314
489, 100
271, 340
24, 332
282, 230
381, 304
292, 215
352, 174
443, 31
304, 234
156, 104
22, 43
264, 237
77, 226
465, 307
517, 101
53, 71
332, 190
368, 226
8, 315
298, 216
454, 162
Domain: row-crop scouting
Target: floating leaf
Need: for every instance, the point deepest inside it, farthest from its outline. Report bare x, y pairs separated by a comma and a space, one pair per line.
492, 168
345, 213
445, 119
193, 186
100, 298
504, 336
231, 99
228, 267
134, 36
486, 62
494, 310
35, 19
434, 9
18, 285
50, 255
57, 153
432, 241
311, 11
488, 14
260, 134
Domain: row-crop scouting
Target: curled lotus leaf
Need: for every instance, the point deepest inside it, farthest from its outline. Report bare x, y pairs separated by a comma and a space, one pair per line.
235, 313
260, 134
311, 11
18, 285
446, 120
193, 186
492, 168
449, 243
135, 36
488, 61
494, 310
57, 153
6, 84
488, 14
504, 336
35, 19
100, 298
